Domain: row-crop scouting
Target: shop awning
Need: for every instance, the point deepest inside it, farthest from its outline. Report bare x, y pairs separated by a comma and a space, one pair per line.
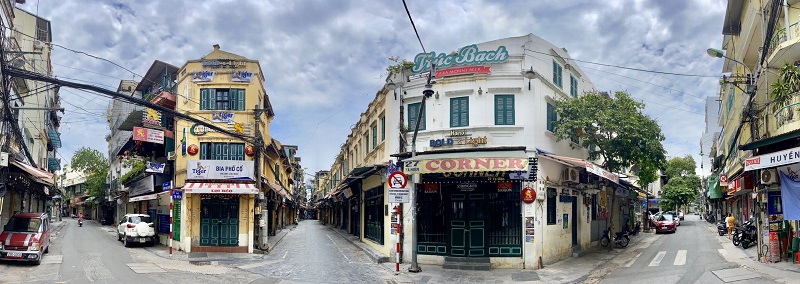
228, 188
581, 163
279, 189
467, 162
147, 196
772, 140
38, 175
55, 138
714, 191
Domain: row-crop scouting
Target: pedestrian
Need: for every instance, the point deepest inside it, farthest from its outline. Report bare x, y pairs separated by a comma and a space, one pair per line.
731, 223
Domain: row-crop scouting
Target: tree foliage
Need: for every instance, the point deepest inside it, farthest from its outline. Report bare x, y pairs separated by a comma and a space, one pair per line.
682, 183
787, 86
615, 130
95, 166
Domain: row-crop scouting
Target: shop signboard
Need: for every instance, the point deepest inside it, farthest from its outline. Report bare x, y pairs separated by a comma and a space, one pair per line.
463, 70
468, 55
220, 169
203, 76
465, 165
148, 135
222, 116
153, 167
771, 160
142, 186
241, 76
151, 117
734, 186
599, 171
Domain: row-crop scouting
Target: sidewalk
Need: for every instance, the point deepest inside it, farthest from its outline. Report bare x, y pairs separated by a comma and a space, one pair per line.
570, 270
784, 271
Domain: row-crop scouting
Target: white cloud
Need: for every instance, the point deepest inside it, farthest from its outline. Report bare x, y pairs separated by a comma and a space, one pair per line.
324, 60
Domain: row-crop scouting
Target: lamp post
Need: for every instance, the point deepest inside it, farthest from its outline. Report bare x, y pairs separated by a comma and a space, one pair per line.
426, 93
713, 52
530, 74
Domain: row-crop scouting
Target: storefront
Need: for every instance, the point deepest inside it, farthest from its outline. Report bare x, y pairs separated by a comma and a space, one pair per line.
218, 206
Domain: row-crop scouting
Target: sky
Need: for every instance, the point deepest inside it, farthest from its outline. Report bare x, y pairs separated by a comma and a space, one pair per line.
323, 61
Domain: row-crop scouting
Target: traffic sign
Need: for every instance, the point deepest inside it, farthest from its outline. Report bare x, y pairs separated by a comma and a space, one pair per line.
398, 180
167, 185
177, 195
399, 195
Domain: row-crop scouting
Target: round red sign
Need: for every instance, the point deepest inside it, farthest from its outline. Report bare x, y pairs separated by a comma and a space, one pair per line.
528, 195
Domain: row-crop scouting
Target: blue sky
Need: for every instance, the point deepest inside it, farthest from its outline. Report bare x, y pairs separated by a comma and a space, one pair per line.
324, 60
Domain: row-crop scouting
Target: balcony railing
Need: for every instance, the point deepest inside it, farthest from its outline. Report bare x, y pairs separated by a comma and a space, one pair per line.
780, 36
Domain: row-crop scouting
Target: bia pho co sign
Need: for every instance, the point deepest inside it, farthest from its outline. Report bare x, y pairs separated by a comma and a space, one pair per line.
468, 55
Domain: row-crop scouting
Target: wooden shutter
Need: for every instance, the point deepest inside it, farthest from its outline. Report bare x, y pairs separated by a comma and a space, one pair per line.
240, 100
203, 99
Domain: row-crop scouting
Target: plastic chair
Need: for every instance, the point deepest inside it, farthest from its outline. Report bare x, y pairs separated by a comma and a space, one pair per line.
794, 250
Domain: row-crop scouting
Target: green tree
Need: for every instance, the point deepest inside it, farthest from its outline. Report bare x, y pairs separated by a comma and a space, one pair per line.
95, 166
615, 131
682, 183
787, 86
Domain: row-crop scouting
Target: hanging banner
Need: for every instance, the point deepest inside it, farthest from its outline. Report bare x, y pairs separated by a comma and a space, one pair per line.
789, 205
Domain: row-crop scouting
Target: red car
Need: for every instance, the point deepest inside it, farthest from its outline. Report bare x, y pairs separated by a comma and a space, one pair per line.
665, 223
26, 237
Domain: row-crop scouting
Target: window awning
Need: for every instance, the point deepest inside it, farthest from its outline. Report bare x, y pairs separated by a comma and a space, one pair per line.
484, 161
38, 175
55, 138
279, 189
227, 188
581, 163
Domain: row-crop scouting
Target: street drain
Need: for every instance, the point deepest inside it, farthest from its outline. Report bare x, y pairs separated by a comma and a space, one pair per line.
200, 262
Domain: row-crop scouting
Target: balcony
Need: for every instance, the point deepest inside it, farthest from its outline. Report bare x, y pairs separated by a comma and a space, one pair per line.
783, 45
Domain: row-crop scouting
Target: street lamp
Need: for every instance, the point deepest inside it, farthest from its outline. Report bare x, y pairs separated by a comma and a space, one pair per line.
713, 52
392, 86
530, 74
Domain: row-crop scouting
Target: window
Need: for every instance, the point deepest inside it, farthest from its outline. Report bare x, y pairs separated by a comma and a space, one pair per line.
459, 112
573, 86
373, 211
277, 173
366, 144
551, 117
504, 110
413, 110
557, 74
730, 102
383, 128
551, 206
222, 99
374, 136
221, 151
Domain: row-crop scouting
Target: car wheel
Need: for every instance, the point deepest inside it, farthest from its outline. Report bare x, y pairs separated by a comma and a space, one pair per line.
47, 249
119, 237
125, 241
38, 261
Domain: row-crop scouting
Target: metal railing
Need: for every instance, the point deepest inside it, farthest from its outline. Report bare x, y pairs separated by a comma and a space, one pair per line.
780, 36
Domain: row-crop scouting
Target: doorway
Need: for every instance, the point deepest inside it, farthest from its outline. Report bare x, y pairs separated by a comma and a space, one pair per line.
574, 221
219, 222
468, 224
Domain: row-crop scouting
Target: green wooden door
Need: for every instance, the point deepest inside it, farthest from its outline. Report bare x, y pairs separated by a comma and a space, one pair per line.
467, 224
219, 222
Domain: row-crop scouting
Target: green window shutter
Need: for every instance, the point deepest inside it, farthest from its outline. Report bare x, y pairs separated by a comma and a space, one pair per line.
422, 119
413, 111
241, 99
374, 136
383, 128
557, 74
551, 117
459, 112
237, 152
573, 86
203, 99
504, 110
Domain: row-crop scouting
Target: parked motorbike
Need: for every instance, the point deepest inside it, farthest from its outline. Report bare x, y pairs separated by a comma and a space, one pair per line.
737, 236
721, 228
748, 234
636, 229
621, 239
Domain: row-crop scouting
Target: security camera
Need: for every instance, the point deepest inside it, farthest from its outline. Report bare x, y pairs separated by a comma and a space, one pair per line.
428, 91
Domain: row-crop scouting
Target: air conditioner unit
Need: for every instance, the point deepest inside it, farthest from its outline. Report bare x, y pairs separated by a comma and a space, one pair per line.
171, 156
769, 176
570, 175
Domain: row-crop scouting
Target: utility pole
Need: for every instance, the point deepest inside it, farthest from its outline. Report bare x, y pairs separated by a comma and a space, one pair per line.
426, 93
259, 143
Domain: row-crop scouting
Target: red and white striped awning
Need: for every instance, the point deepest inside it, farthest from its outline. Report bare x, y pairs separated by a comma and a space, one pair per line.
228, 188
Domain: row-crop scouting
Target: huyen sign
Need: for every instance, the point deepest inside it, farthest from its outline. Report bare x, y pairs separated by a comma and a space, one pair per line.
465, 164
780, 158
468, 55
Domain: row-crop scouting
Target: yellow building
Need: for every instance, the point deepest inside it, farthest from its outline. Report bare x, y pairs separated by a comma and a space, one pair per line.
215, 171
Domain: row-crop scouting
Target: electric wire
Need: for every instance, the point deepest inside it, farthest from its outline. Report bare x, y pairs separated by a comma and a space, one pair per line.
629, 68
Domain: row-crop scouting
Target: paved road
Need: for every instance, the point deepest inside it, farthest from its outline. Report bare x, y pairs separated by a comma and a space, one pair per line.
691, 255
312, 253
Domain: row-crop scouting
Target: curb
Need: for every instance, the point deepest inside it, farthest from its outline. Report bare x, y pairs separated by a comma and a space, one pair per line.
58, 229
272, 247
375, 256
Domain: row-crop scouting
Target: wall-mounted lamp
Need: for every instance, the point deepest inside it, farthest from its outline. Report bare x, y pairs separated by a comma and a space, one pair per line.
480, 91
392, 86
530, 75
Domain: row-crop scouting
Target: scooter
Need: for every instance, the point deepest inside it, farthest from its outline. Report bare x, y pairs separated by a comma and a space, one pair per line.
635, 229
80, 223
748, 234
721, 228
621, 239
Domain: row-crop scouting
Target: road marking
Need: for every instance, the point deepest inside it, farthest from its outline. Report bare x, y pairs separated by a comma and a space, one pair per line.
337, 247
633, 260
285, 253
657, 260
680, 259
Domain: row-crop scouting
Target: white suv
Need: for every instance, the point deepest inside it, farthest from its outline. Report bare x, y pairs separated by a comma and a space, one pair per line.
136, 228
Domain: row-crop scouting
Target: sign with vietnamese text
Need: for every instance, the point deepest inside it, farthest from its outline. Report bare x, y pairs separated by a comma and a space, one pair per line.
148, 135
465, 165
220, 169
601, 172
463, 70
771, 160
399, 195
177, 195
142, 186
468, 55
